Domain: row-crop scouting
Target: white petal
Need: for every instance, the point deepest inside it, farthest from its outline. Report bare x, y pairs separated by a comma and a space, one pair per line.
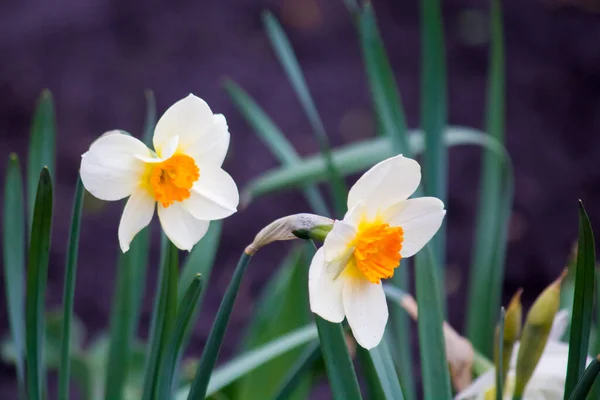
211, 147
109, 169
189, 118
137, 214
385, 184
338, 240
180, 226
419, 218
213, 196
478, 388
325, 292
366, 310
356, 214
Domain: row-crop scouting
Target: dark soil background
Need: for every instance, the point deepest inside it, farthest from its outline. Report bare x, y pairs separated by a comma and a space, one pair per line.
98, 56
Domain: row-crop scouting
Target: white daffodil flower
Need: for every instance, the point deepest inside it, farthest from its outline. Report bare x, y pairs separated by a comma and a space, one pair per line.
183, 174
549, 376
380, 228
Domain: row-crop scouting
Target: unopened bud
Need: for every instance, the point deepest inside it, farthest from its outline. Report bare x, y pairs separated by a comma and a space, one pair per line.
286, 228
535, 333
513, 321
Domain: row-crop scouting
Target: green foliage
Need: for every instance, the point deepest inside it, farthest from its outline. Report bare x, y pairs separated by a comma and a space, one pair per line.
583, 302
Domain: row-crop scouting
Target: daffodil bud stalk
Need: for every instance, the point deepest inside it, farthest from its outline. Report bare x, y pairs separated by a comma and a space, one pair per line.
535, 333
513, 322
287, 228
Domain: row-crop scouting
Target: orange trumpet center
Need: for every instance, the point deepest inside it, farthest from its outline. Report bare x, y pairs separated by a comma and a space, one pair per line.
172, 179
377, 250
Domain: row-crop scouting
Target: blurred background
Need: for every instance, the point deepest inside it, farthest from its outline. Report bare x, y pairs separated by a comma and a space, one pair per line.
98, 56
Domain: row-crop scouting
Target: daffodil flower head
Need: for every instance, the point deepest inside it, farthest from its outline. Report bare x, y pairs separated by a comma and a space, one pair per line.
381, 227
182, 177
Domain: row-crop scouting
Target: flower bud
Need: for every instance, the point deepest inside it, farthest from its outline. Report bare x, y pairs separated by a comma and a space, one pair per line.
512, 331
535, 333
303, 226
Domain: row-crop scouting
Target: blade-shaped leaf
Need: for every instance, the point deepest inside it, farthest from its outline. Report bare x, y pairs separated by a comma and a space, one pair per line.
500, 361
150, 121
340, 372
434, 365
357, 157
584, 385
487, 264
288, 60
69, 294
185, 311
285, 301
380, 372
296, 374
163, 318
14, 262
434, 112
583, 302
217, 333
37, 276
42, 143
273, 138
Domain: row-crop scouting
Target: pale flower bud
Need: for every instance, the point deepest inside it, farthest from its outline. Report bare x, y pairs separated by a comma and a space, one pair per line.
286, 228
535, 333
512, 331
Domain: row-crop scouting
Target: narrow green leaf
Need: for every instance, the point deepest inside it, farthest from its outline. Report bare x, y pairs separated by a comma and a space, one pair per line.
487, 263
274, 139
37, 276
384, 89
150, 121
380, 372
69, 294
500, 344
217, 333
42, 143
285, 301
583, 302
288, 60
340, 372
200, 261
296, 374
14, 262
250, 360
434, 365
357, 157
584, 385
183, 321
434, 112
163, 318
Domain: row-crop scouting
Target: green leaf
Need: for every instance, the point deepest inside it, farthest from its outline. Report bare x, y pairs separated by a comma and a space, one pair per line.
583, 302
434, 113
42, 143
286, 301
217, 333
340, 372
490, 240
384, 89
163, 318
37, 276
305, 362
288, 60
584, 385
150, 121
69, 294
434, 365
253, 359
14, 262
500, 362
185, 312
274, 139
357, 157
125, 313
380, 372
